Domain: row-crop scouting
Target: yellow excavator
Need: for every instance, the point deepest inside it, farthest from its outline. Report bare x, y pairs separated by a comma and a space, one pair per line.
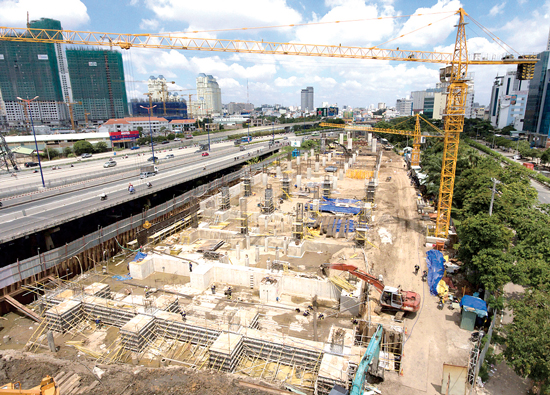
47, 387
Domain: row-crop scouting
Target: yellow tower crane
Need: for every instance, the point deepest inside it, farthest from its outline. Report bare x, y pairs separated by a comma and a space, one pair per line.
415, 134
456, 73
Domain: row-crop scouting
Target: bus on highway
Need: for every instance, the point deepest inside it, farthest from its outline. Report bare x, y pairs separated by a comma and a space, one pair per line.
246, 139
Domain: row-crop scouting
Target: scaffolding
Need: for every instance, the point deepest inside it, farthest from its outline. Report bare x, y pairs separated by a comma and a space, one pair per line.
244, 216
326, 187
247, 182
286, 187
226, 199
267, 207
7, 154
298, 225
362, 227
370, 189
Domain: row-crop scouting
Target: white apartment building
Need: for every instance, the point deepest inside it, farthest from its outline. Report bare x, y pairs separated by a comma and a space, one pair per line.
132, 123
209, 97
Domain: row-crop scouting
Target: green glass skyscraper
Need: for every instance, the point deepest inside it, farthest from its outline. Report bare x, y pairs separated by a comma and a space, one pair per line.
97, 80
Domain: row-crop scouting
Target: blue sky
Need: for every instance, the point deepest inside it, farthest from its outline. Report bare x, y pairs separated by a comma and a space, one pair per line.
521, 24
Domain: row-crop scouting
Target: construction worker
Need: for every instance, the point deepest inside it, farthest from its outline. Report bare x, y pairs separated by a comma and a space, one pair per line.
190, 267
354, 321
298, 310
98, 322
183, 315
213, 288
416, 269
321, 316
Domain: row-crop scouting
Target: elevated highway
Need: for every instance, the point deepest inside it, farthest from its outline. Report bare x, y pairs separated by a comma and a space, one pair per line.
23, 215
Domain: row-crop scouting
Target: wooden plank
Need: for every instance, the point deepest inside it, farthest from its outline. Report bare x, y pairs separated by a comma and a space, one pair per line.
58, 376
86, 390
69, 383
28, 312
63, 378
73, 387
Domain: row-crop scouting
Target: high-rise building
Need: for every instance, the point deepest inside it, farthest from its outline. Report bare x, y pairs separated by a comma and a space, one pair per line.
404, 107
537, 111
209, 97
30, 69
508, 101
175, 109
97, 81
307, 99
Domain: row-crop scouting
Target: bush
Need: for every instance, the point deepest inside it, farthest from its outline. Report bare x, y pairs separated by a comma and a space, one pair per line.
71, 156
101, 147
83, 147
67, 151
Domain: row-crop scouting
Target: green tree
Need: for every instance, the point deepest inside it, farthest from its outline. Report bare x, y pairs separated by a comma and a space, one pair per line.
100, 147
545, 157
83, 147
527, 338
163, 130
492, 268
309, 144
140, 130
67, 151
482, 232
171, 136
506, 131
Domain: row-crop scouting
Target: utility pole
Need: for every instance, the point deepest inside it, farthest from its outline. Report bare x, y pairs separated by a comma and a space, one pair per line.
494, 190
149, 109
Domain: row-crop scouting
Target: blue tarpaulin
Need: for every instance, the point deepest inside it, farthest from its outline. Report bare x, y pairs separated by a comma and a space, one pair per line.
342, 201
139, 256
436, 268
477, 305
336, 209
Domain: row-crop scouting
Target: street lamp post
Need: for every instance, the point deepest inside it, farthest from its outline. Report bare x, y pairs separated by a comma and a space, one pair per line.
149, 109
273, 139
28, 101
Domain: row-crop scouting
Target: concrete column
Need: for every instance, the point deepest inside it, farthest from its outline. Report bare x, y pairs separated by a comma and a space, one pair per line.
257, 251
324, 160
266, 221
289, 164
315, 204
340, 174
279, 172
238, 250
341, 138
297, 161
246, 261
51, 342
309, 173
329, 156
268, 264
265, 245
350, 141
285, 245
312, 152
247, 238
317, 166
350, 161
299, 181
346, 167
354, 157
373, 145
369, 137
276, 253
334, 182
264, 179
305, 156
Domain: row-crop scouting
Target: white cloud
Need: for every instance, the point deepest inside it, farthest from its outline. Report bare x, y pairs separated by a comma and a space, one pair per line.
71, 13
149, 24
228, 83
363, 33
223, 14
421, 34
497, 9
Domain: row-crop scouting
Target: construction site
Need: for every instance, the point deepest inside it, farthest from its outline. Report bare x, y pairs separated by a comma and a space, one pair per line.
291, 279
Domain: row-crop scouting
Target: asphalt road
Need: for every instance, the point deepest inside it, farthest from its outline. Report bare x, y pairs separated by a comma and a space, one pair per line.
27, 218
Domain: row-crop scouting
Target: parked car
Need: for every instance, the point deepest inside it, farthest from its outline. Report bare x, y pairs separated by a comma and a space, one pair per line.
169, 156
331, 169
165, 142
285, 138
31, 164
135, 147
84, 156
205, 154
516, 157
152, 158
110, 163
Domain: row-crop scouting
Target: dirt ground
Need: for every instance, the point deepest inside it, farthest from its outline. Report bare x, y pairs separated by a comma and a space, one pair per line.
118, 379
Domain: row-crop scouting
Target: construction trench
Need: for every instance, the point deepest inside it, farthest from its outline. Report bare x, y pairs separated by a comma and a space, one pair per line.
232, 282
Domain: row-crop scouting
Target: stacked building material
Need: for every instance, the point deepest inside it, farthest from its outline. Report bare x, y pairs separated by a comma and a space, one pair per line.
110, 312
98, 289
138, 332
64, 316
225, 352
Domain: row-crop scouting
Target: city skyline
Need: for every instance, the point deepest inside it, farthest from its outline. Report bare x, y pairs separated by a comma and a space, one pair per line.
279, 79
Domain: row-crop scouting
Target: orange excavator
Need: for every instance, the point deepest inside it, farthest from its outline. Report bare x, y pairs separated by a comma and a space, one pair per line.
47, 387
391, 298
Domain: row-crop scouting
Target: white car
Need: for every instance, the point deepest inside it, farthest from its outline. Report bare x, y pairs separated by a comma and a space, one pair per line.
110, 163
517, 157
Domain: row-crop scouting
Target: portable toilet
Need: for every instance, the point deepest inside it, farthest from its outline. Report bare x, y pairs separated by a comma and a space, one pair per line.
472, 307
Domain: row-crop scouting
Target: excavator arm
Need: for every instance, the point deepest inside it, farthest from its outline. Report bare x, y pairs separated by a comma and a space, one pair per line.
357, 273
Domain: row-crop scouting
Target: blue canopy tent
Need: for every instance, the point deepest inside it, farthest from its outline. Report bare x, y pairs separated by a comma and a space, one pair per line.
436, 268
